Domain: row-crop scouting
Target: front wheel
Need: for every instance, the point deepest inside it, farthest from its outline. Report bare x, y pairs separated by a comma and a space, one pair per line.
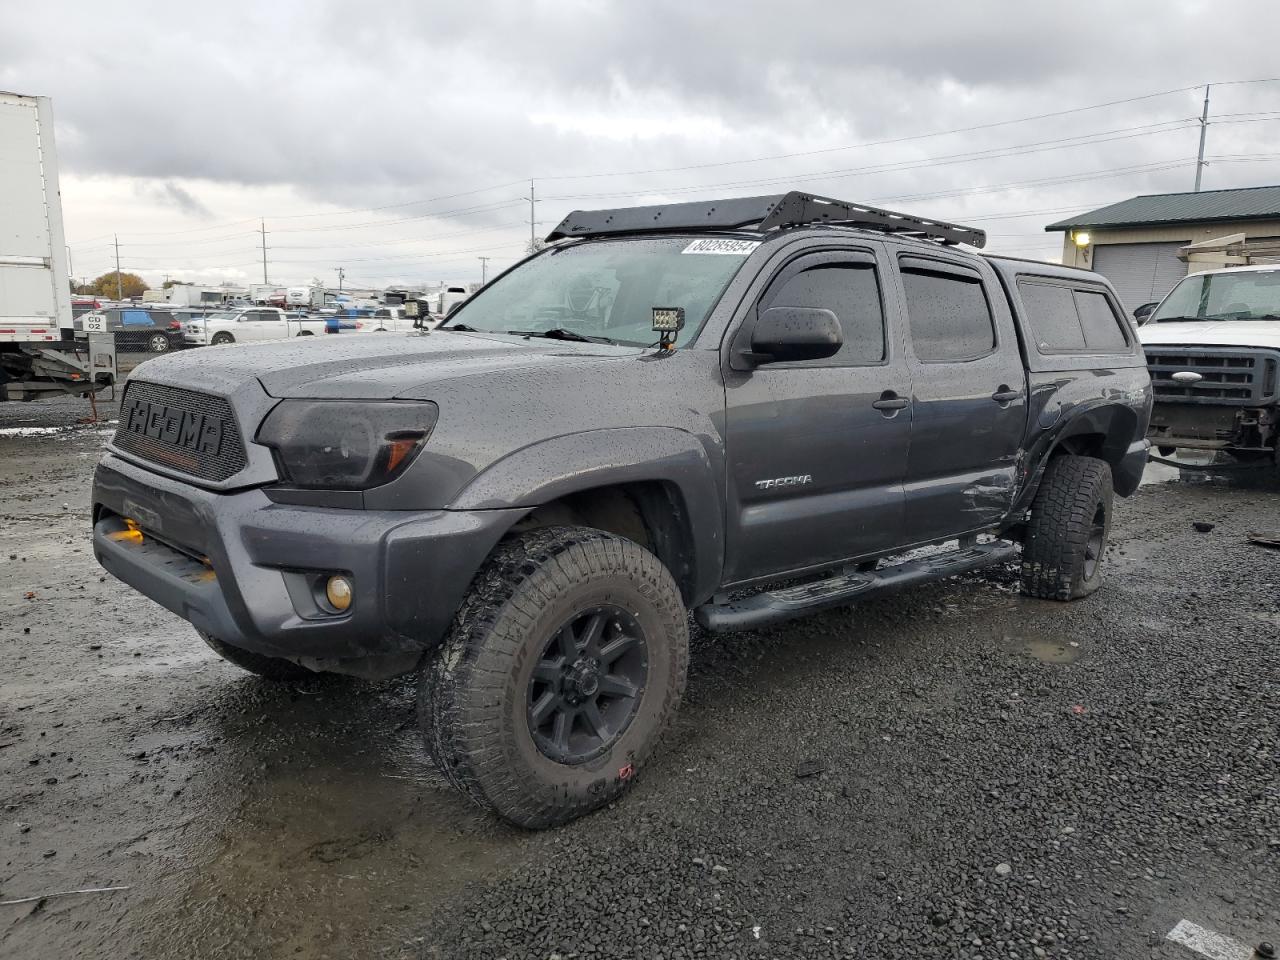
564, 668
219, 339
1068, 530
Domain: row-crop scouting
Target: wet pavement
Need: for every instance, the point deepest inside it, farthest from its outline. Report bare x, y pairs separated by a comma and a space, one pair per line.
1119, 756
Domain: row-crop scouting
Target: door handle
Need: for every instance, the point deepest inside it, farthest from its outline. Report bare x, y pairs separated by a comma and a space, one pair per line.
1005, 395
890, 401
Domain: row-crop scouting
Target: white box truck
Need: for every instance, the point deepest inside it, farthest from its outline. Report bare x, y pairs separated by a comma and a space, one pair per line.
40, 353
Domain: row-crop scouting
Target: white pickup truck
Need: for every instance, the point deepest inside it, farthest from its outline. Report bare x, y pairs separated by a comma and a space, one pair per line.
250, 325
1213, 348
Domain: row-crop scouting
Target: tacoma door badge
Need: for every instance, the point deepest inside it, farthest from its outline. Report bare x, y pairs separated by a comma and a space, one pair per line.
776, 482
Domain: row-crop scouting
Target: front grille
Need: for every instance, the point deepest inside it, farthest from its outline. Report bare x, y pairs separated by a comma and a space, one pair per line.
1228, 375
194, 433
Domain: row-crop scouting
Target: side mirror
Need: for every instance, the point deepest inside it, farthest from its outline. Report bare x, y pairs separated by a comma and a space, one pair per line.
1143, 313
788, 334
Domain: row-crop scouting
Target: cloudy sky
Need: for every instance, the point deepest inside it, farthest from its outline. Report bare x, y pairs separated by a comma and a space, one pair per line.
396, 138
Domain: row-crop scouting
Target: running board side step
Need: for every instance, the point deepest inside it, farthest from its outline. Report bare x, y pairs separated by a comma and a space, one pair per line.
777, 606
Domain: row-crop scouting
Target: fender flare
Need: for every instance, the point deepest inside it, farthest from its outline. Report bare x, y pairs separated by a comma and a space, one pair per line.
1117, 422
577, 462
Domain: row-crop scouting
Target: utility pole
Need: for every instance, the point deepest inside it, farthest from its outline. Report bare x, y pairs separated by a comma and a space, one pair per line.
264, 250
341, 273
119, 282
533, 218
484, 269
1204, 128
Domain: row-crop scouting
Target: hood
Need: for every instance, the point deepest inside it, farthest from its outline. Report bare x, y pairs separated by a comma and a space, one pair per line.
367, 366
1212, 333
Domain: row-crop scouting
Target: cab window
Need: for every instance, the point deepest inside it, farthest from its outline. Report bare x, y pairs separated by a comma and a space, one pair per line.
849, 290
948, 314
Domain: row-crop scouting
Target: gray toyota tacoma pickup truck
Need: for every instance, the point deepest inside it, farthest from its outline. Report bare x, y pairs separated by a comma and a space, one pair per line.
746, 409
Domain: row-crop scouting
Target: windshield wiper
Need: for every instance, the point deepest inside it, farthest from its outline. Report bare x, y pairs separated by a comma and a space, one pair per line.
1178, 319
460, 327
560, 333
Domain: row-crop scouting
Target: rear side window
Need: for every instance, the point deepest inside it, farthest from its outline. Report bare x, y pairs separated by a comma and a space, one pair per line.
949, 316
1068, 320
135, 318
852, 293
1102, 330
1051, 313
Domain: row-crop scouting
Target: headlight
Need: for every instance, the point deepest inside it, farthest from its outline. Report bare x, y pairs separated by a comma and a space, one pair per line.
346, 444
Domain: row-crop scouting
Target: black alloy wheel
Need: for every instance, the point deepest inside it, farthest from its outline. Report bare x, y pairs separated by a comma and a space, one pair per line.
1096, 543
587, 684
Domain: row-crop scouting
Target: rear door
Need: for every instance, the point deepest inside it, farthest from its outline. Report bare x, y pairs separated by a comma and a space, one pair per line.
969, 398
816, 455
264, 325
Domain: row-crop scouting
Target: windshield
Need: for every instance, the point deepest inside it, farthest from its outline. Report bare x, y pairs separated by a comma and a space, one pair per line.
607, 289
1245, 295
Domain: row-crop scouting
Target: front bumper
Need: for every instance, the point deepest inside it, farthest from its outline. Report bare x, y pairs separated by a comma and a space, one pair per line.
1215, 427
233, 564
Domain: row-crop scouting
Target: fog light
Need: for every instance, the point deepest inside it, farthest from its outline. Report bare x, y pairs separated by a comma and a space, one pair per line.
337, 591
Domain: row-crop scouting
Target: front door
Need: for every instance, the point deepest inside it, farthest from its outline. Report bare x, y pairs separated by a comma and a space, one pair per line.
969, 403
817, 449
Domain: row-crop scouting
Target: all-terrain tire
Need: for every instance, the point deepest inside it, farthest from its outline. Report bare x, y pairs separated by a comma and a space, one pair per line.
475, 694
1068, 531
222, 338
269, 668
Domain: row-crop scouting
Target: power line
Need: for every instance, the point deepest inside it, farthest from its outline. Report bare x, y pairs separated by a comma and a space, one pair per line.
992, 153
880, 143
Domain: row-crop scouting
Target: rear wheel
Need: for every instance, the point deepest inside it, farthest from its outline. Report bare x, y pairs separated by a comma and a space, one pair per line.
158, 343
269, 668
563, 670
1068, 531
222, 338
304, 333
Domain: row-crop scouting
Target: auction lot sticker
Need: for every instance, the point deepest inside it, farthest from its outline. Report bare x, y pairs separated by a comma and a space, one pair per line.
739, 248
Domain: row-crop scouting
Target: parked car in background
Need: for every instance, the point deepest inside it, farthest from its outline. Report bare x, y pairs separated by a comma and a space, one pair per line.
140, 331
450, 297
1213, 347
82, 305
250, 326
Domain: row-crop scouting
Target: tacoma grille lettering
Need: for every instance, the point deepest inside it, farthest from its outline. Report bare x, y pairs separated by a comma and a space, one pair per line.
181, 428
184, 430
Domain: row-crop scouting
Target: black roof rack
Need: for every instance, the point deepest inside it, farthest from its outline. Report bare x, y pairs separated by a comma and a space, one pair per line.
792, 209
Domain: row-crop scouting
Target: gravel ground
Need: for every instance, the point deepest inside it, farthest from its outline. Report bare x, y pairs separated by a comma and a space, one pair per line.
954, 771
